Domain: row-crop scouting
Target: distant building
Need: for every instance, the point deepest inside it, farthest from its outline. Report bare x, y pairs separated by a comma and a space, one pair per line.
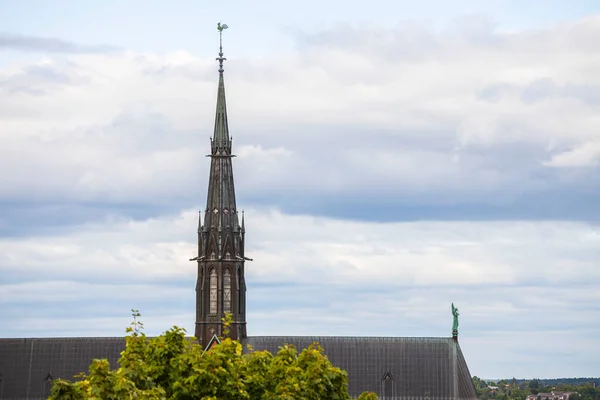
550, 396
426, 368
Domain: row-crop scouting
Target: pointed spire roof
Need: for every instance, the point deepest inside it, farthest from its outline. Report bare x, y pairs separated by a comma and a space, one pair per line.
221, 142
220, 229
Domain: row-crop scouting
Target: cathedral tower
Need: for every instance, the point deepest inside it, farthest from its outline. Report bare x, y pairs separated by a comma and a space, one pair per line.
221, 286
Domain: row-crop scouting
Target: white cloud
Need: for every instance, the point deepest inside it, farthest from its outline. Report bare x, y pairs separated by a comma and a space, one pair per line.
73, 291
461, 115
421, 253
407, 105
313, 275
584, 155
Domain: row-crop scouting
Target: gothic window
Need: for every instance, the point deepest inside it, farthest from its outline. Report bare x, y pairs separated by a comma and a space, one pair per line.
199, 291
48, 383
388, 386
239, 290
213, 291
227, 291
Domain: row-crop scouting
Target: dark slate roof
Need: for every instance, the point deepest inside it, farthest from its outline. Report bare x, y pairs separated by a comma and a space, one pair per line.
25, 364
393, 367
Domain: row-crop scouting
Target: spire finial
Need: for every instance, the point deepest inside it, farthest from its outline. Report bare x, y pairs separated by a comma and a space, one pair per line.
220, 28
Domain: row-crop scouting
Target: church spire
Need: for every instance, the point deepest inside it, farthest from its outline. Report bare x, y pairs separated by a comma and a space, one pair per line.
221, 287
221, 191
221, 142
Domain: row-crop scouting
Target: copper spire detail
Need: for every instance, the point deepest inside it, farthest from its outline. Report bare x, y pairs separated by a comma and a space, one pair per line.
220, 59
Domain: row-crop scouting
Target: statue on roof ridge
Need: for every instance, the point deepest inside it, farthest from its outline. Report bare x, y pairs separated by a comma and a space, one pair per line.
455, 315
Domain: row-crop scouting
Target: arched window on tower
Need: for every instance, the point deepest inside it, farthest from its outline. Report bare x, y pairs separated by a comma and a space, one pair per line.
239, 291
213, 291
227, 291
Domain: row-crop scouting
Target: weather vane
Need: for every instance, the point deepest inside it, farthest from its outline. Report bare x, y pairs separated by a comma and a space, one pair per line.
220, 28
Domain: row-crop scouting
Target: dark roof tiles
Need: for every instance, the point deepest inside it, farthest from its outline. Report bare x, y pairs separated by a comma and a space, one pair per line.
420, 368
26, 363
393, 367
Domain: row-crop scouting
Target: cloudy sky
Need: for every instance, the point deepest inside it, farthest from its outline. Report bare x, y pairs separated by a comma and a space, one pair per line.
393, 157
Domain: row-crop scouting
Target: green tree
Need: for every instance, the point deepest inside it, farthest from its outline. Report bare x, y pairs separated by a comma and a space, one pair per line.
478, 382
518, 394
534, 384
171, 366
481, 388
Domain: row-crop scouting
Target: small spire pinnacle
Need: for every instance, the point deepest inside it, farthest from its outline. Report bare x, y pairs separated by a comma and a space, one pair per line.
220, 59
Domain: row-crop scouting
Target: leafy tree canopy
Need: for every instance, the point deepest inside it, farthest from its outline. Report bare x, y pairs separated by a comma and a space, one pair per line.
171, 366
